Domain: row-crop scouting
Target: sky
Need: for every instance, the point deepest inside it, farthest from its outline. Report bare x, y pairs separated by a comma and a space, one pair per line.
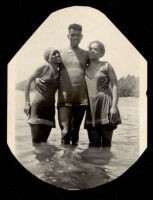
120, 53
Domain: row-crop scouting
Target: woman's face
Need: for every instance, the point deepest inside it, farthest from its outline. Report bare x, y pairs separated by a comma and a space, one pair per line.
56, 57
94, 51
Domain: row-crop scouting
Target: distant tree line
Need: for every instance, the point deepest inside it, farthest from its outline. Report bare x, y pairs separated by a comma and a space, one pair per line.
21, 86
128, 86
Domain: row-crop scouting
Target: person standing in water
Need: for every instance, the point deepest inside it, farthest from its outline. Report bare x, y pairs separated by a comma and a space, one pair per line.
42, 110
102, 115
72, 94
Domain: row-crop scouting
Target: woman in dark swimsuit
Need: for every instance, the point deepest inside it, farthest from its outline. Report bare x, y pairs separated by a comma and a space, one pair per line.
41, 113
103, 116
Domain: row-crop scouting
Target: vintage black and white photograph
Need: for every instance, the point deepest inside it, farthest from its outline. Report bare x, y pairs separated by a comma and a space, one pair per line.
77, 106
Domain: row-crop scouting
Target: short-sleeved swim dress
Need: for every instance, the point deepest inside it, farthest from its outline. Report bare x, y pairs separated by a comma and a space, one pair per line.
43, 105
100, 98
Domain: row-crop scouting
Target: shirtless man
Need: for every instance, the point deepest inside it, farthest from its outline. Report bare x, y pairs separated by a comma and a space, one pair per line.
72, 95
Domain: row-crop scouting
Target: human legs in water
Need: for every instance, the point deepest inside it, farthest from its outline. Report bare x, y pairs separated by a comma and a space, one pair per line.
100, 136
64, 118
40, 132
45, 131
94, 137
70, 119
78, 114
106, 136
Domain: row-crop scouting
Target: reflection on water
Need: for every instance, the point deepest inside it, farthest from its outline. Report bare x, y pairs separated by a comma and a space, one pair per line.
79, 167
70, 166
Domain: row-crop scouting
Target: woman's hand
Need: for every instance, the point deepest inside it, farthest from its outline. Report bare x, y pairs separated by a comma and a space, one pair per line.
27, 108
40, 85
113, 114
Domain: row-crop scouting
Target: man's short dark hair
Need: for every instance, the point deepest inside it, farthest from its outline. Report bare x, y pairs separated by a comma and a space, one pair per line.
77, 27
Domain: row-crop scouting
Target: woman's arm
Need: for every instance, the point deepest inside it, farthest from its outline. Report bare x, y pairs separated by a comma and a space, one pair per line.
115, 93
27, 88
27, 96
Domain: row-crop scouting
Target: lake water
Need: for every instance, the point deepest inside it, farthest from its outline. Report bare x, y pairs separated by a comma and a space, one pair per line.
79, 167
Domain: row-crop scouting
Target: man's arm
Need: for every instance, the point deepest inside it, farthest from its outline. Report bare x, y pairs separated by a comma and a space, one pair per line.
40, 85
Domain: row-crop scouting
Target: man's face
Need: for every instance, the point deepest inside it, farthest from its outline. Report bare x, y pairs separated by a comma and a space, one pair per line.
75, 37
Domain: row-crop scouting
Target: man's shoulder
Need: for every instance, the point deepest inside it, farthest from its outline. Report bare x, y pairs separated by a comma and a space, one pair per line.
68, 49
64, 50
84, 53
83, 50
67, 52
